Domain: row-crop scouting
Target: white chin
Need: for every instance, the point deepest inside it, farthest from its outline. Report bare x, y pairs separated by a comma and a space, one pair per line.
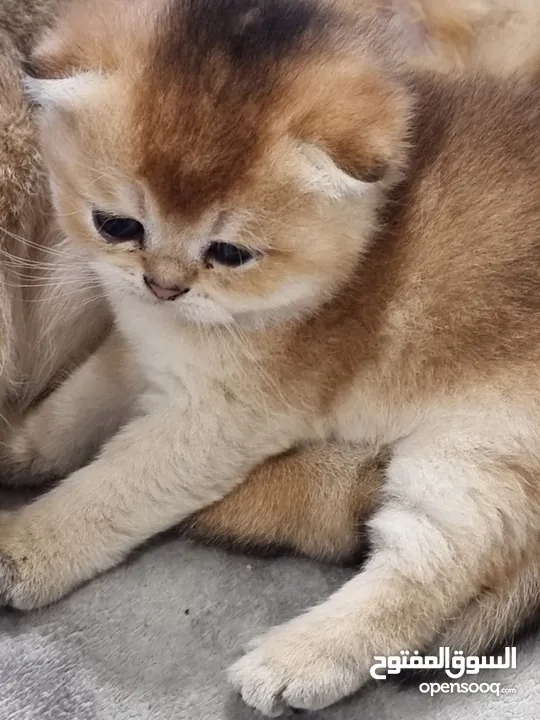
202, 315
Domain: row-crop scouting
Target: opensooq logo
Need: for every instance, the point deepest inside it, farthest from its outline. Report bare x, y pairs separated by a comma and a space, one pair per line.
454, 664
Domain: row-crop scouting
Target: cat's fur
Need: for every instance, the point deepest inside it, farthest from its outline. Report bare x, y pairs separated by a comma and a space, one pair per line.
51, 320
261, 513
467, 33
412, 326
41, 333
499, 36
43, 288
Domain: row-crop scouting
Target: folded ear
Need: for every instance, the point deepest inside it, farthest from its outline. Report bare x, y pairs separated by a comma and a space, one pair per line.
359, 119
319, 173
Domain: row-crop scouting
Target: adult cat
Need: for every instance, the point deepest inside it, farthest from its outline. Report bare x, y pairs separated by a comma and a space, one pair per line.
44, 331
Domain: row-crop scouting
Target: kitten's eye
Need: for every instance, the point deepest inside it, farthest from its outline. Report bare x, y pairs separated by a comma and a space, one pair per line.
227, 254
115, 229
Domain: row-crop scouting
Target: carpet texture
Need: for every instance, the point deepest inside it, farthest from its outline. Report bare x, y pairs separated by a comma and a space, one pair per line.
152, 640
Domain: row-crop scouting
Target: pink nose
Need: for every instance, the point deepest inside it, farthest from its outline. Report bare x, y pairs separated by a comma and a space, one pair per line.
165, 293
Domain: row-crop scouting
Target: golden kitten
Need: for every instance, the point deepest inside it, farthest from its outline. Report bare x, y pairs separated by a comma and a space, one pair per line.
299, 243
262, 512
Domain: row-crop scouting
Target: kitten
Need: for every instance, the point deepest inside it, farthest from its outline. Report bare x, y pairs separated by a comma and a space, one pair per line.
298, 244
259, 514
47, 294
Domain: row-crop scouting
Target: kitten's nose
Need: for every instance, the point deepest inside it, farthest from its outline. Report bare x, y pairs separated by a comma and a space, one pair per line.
165, 293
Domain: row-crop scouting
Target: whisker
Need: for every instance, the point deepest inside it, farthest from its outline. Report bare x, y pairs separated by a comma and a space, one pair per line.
81, 291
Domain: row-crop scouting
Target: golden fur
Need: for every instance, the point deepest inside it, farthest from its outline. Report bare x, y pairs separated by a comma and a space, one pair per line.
457, 35
498, 36
41, 335
392, 301
281, 485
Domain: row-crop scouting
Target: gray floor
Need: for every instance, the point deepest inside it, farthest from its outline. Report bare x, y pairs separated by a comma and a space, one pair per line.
151, 641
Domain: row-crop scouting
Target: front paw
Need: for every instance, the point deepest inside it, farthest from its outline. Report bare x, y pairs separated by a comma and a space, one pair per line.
302, 665
27, 577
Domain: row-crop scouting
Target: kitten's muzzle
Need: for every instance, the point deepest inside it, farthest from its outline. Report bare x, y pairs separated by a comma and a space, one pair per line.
164, 293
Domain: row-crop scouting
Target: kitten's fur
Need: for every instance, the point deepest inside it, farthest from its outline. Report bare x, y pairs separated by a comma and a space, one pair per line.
42, 284
51, 319
412, 327
261, 513
43, 288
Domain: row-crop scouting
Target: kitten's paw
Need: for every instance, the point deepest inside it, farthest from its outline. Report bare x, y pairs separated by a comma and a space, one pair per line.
301, 665
26, 580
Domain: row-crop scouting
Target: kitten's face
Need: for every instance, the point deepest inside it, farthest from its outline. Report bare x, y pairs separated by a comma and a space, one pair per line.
212, 194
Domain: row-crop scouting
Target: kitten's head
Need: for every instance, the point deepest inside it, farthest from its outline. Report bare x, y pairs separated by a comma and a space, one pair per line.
224, 158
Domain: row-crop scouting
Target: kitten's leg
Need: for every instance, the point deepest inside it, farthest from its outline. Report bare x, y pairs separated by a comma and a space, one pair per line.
315, 502
152, 475
452, 516
335, 485
506, 605
63, 432
311, 501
